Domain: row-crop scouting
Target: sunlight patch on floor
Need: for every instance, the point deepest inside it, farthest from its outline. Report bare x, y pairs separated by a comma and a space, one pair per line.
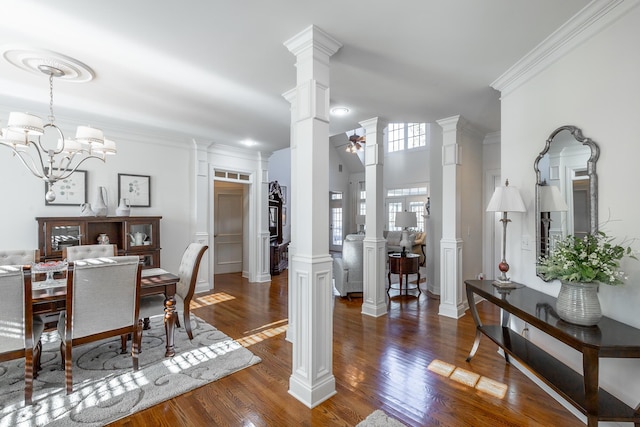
268, 325
468, 378
262, 335
211, 299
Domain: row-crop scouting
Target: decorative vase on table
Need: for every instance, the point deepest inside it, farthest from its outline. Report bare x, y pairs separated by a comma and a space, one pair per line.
100, 204
124, 208
578, 303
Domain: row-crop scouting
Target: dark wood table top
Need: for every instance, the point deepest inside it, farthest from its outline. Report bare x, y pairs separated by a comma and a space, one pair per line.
610, 337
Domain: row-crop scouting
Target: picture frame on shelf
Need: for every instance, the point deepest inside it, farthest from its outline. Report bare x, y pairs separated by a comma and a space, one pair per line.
136, 188
71, 191
284, 194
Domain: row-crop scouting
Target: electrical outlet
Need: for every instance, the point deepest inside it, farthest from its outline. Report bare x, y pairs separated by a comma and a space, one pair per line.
526, 242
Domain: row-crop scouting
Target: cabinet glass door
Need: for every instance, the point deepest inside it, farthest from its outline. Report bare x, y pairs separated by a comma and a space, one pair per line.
140, 234
63, 236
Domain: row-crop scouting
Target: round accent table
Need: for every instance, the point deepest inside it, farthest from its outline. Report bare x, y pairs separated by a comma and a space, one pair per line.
403, 266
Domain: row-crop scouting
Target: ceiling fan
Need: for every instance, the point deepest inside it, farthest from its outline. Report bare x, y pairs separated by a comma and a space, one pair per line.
355, 143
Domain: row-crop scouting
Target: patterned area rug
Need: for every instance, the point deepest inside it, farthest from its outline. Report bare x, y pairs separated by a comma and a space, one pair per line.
105, 386
379, 419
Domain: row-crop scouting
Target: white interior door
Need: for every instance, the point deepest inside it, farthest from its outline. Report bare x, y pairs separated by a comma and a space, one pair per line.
228, 233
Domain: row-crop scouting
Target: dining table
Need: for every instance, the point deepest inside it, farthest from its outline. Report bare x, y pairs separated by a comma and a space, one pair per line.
49, 297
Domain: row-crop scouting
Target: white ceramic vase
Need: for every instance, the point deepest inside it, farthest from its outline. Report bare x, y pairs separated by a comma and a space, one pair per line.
124, 208
100, 204
578, 303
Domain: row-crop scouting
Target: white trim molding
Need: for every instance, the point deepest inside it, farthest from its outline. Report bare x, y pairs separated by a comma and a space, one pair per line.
593, 18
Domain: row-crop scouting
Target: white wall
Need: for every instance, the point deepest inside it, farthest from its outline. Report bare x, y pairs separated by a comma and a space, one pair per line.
166, 162
407, 167
596, 88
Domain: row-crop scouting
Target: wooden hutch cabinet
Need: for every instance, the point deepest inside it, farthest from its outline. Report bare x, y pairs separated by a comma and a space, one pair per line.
133, 235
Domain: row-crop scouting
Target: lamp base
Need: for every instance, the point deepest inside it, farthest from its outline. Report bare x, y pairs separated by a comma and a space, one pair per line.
405, 242
504, 284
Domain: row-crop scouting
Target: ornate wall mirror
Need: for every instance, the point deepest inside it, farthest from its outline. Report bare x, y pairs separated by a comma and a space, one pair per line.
566, 188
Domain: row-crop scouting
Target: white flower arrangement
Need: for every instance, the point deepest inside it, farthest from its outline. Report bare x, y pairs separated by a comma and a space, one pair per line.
593, 258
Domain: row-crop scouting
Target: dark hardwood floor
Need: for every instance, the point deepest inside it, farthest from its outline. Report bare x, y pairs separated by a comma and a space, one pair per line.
378, 363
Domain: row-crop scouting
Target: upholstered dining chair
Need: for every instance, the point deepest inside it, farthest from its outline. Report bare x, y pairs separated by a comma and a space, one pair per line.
103, 297
19, 256
188, 274
74, 253
19, 331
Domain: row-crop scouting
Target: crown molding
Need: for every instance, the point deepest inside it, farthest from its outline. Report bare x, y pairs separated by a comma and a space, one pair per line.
593, 18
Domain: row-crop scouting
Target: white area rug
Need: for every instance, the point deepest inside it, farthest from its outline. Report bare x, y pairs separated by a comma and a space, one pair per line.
379, 419
105, 386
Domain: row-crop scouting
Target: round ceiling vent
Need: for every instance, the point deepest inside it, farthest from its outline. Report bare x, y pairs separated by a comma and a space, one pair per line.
35, 61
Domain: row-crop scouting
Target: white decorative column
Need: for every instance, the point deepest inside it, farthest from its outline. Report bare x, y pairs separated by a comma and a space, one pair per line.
451, 292
312, 380
374, 244
290, 96
200, 212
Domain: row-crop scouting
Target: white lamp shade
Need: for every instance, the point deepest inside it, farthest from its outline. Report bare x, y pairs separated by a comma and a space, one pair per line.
12, 138
109, 147
25, 122
360, 219
89, 134
506, 199
406, 219
551, 200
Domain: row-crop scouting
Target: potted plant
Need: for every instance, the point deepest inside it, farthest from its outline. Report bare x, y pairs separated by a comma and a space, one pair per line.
581, 264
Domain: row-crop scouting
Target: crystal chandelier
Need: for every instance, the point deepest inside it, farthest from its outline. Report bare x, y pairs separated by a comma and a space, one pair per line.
57, 157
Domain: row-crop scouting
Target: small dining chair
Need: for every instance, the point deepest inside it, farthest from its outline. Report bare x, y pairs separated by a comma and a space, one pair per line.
74, 253
103, 296
188, 274
19, 331
19, 256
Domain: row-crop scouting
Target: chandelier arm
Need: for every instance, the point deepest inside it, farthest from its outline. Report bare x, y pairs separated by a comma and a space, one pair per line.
68, 172
30, 164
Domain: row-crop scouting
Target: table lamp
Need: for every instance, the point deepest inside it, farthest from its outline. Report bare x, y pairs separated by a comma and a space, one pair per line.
550, 201
405, 220
505, 199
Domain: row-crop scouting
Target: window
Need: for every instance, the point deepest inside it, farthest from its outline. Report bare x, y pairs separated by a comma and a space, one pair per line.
406, 136
396, 137
362, 198
336, 230
412, 199
393, 208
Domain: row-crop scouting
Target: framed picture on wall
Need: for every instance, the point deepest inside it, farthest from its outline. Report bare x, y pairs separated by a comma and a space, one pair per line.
71, 191
135, 188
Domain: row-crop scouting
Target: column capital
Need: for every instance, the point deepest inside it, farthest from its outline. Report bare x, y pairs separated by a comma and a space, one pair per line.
313, 37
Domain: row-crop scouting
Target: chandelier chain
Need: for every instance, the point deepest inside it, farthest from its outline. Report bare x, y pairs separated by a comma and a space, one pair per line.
51, 116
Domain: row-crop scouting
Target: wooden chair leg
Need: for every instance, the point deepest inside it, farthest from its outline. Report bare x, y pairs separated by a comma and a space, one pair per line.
123, 343
68, 367
28, 377
187, 323
136, 341
37, 364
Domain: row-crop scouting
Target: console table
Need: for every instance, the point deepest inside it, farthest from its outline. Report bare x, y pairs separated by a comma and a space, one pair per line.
608, 338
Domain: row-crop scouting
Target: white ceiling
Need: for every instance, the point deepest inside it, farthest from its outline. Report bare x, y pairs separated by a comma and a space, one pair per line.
215, 70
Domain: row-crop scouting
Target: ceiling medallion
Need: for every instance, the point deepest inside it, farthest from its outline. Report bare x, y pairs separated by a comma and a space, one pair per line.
33, 60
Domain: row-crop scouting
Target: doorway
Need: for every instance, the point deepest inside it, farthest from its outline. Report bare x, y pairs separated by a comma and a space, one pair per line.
228, 222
